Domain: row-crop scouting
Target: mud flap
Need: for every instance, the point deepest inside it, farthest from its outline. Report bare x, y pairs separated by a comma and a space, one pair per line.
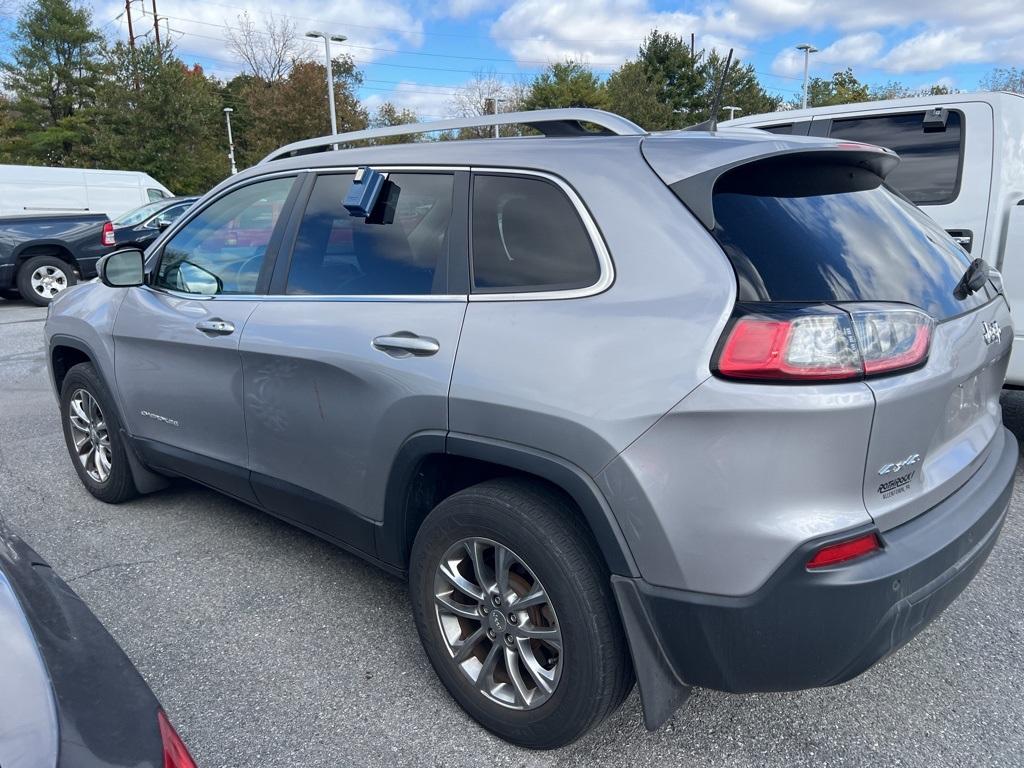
662, 692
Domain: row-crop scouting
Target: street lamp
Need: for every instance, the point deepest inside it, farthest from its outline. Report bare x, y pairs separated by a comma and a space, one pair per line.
496, 100
231, 141
327, 38
733, 111
808, 49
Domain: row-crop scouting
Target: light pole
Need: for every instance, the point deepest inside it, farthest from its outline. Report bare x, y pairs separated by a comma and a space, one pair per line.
496, 100
231, 141
733, 111
330, 74
808, 49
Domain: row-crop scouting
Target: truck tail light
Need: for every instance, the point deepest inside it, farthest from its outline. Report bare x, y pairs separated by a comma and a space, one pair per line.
822, 343
844, 551
175, 753
107, 238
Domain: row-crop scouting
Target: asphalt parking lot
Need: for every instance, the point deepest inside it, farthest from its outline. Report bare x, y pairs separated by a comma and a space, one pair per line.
269, 647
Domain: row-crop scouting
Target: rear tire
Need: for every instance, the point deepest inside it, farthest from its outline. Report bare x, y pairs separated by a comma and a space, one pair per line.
535, 693
42, 278
94, 437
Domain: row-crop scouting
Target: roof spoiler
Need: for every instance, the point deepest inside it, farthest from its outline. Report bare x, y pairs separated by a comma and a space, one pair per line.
695, 189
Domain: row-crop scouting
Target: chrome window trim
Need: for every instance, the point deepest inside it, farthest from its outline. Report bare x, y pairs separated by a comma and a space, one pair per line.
604, 258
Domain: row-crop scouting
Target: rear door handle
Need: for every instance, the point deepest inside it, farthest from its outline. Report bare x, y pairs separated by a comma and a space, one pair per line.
404, 344
216, 326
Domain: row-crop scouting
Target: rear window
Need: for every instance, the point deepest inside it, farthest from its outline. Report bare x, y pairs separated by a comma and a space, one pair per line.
929, 169
814, 234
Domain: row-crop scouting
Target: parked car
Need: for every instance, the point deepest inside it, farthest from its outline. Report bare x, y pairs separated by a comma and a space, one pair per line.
27, 190
40, 256
707, 408
70, 695
138, 228
961, 163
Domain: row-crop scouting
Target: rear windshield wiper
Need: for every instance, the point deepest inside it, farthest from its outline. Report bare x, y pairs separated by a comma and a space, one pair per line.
973, 280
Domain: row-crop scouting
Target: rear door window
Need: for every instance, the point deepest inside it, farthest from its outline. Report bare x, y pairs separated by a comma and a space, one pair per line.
930, 161
400, 249
527, 236
793, 237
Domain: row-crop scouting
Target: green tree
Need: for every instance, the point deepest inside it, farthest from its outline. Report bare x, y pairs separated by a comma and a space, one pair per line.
276, 113
673, 74
52, 75
171, 126
633, 93
742, 89
1004, 79
894, 89
842, 88
388, 114
566, 84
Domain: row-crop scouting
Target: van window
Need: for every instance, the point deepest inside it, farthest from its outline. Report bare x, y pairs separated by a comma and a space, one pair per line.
527, 236
155, 194
400, 249
929, 169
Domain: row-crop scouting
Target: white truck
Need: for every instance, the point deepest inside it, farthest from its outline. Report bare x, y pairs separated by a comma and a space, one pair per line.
29, 190
962, 163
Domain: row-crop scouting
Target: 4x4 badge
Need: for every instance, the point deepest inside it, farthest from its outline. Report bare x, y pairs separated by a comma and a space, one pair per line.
991, 331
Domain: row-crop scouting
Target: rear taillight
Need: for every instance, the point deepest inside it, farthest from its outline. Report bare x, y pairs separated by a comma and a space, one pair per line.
844, 551
107, 238
175, 753
822, 343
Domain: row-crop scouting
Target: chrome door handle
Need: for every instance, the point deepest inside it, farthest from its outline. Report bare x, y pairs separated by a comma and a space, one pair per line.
216, 326
403, 344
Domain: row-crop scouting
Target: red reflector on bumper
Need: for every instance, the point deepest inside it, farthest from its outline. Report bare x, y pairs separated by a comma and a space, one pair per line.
175, 753
845, 550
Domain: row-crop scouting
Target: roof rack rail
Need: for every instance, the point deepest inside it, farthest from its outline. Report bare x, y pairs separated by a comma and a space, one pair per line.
550, 122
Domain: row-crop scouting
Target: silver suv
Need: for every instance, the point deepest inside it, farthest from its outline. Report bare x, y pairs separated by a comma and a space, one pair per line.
697, 409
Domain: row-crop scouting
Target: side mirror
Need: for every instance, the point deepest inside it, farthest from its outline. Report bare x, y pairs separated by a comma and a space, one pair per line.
162, 224
122, 269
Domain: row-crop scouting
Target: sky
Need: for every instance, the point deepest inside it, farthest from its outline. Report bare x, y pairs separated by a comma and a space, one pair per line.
419, 54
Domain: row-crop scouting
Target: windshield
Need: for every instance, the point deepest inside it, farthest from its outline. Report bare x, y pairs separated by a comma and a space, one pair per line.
140, 214
853, 241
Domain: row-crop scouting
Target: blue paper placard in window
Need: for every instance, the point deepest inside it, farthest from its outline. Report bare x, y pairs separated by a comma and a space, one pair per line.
363, 194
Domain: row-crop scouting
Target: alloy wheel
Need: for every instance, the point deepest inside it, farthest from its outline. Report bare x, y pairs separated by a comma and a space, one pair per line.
498, 623
90, 436
47, 281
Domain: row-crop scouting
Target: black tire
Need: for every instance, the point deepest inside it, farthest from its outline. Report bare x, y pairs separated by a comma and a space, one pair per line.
62, 269
543, 530
118, 485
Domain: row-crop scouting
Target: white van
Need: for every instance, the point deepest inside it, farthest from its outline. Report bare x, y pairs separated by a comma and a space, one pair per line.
28, 189
962, 163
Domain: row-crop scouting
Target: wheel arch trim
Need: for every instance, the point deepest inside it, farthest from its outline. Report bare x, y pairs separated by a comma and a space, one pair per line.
579, 486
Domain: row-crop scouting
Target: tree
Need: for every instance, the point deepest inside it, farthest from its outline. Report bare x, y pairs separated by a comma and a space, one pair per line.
52, 78
842, 88
269, 52
1004, 79
897, 90
742, 89
170, 127
566, 84
388, 114
480, 96
633, 93
276, 113
673, 74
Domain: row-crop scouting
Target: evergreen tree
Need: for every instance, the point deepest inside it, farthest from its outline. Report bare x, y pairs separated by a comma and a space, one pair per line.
566, 84
52, 75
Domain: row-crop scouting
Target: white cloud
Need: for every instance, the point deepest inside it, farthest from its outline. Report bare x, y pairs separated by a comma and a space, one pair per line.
849, 51
428, 101
934, 50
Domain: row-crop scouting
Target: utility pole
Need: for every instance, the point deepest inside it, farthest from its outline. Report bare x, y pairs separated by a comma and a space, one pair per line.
156, 31
808, 49
231, 141
131, 29
495, 100
733, 111
327, 38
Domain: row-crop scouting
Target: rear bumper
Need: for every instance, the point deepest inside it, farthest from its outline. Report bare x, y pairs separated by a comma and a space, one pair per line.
806, 629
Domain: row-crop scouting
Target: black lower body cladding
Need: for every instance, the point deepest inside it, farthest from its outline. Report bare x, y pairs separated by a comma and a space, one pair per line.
805, 629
